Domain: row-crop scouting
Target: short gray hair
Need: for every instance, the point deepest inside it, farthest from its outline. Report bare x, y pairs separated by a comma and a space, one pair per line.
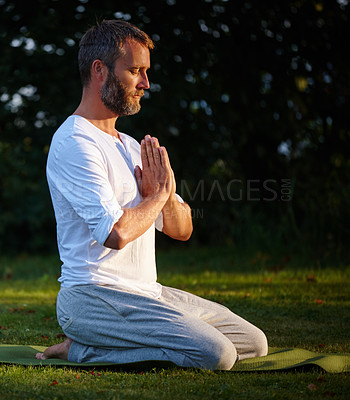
105, 42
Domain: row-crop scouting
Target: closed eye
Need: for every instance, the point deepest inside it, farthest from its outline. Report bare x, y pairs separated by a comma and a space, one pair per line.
134, 71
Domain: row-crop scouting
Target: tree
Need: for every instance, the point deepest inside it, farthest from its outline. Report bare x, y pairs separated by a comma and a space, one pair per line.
249, 98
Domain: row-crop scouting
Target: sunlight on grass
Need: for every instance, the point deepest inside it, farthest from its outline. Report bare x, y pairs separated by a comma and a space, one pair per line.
296, 304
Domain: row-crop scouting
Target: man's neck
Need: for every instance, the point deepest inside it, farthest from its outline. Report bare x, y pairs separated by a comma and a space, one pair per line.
96, 113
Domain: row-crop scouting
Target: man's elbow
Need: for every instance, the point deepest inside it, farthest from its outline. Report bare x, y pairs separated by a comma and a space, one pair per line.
184, 238
120, 245
182, 235
116, 240
186, 235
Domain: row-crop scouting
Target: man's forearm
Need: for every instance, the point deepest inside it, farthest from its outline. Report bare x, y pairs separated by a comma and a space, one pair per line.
177, 220
154, 182
134, 222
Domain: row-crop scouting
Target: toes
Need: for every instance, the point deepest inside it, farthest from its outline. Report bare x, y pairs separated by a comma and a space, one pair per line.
39, 356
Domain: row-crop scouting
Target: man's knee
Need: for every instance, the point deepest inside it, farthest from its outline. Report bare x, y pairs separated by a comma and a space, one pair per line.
260, 345
220, 354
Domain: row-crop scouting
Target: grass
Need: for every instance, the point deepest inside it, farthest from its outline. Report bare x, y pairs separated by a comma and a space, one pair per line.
296, 302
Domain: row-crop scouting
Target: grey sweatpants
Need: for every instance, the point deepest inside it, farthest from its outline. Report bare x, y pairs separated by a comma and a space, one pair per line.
109, 325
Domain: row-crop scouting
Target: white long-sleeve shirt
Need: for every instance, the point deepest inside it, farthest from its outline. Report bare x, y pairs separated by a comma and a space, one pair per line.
91, 178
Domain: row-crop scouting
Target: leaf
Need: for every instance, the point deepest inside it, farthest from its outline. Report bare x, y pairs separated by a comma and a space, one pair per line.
311, 279
13, 310
95, 373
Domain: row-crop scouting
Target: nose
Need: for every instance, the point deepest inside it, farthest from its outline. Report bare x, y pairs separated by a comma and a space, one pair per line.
144, 82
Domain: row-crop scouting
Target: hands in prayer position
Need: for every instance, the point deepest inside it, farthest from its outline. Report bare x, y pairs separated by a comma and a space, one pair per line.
156, 178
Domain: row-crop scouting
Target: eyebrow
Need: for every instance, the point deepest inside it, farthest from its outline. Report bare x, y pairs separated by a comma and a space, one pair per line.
136, 66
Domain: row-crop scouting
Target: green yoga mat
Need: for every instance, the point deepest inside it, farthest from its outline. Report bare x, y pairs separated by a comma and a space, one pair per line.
277, 359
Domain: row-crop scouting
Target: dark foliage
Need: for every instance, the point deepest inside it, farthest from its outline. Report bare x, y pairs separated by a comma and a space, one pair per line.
249, 97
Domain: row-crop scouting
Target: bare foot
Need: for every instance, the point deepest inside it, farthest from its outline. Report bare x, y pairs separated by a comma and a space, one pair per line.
59, 350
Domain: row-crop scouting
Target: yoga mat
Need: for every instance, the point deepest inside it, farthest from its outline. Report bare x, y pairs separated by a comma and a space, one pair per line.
277, 359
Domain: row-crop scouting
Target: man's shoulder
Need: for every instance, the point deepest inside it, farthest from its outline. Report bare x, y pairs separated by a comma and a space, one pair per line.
75, 131
74, 125
73, 139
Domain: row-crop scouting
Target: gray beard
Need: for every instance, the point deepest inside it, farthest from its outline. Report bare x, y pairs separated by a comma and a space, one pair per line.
114, 96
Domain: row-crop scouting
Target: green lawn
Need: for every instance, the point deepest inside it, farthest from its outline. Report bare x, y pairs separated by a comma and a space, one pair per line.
296, 302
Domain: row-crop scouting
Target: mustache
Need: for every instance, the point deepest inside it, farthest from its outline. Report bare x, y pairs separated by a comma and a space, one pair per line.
138, 93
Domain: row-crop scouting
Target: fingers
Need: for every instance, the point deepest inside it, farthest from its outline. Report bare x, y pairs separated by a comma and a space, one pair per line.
138, 177
166, 164
164, 158
144, 158
153, 155
152, 150
156, 170
149, 152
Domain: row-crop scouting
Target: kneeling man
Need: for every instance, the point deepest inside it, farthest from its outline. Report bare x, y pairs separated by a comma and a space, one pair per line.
109, 194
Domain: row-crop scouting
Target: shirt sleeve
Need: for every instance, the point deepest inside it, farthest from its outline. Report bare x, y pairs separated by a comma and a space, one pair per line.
79, 174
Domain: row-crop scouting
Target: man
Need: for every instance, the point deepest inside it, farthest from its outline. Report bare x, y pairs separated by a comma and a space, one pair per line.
110, 305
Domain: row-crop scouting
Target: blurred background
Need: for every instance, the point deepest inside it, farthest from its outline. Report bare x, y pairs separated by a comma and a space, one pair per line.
251, 99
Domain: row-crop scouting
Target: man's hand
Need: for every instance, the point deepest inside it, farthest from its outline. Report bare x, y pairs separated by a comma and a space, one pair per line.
156, 171
156, 179
156, 183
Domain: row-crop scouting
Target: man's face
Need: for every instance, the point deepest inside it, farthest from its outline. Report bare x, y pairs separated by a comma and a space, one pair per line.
117, 98
124, 87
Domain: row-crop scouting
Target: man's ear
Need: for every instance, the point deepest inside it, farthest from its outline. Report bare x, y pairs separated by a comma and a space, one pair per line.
99, 70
